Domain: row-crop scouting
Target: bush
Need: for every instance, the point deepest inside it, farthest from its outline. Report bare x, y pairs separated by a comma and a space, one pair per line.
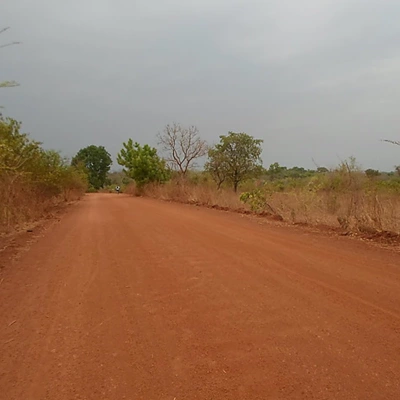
32, 179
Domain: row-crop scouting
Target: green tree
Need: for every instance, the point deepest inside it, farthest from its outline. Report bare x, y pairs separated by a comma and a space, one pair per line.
276, 171
322, 170
32, 178
97, 162
142, 163
217, 166
236, 158
372, 173
17, 150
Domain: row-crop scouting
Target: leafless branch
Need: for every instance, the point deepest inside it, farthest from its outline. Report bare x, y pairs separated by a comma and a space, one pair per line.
182, 146
396, 142
7, 84
7, 44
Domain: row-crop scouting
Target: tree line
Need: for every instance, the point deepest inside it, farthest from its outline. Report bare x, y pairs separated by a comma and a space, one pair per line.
234, 159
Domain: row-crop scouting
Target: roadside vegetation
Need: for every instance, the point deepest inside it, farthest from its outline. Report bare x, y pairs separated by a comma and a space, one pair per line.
32, 180
227, 175
233, 178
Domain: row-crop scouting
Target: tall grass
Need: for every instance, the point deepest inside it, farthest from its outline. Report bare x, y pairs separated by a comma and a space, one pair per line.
342, 198
190, 193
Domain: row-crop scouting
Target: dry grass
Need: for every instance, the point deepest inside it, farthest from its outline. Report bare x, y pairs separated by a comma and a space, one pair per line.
352, 211
21, 204
203, 195
356, 211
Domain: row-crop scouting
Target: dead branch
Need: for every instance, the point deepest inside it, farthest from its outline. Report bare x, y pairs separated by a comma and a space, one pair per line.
396, 142
182, 146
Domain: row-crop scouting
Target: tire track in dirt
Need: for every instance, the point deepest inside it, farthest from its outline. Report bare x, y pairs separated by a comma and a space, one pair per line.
130, 298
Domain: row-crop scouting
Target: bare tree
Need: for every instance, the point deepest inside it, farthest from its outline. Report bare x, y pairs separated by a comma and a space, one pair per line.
7, 83
182, 146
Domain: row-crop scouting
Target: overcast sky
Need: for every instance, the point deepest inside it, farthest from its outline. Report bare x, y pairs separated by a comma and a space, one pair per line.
315, 79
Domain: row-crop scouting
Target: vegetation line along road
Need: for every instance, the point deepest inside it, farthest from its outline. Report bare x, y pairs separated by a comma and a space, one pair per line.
34, 179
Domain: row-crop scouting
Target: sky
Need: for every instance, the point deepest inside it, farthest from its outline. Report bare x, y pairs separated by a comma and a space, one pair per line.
317, 80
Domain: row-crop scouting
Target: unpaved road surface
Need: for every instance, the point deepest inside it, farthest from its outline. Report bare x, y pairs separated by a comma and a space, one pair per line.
129, 298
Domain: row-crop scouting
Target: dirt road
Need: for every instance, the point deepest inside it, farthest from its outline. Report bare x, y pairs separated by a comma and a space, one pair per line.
130, 298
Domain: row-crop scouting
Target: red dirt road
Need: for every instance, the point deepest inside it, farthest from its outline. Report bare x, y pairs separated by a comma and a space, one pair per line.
130, 298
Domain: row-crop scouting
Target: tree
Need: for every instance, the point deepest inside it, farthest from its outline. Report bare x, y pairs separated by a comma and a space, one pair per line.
397, 143
276, 171
235, 159
182, 146
216, 166
18, 153
7, 83
31, 175
372, 173
97, 162
322, 170
142, 164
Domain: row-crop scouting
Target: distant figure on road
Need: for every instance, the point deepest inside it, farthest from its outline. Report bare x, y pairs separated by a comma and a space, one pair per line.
118, 189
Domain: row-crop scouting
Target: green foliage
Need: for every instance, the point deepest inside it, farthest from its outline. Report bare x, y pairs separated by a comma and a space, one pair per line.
278, 172
118, 178
275, 171
235, 159
217, 166
142, 164
7, 84
322, 170
17, 151
372, 173
97, 162
31, 175
256, 199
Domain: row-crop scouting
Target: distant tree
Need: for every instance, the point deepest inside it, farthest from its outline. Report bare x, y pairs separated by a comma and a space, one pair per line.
322, 170
118, 178
142, 163
372, 173
182, 147
276, 171
397, 143
236, 158
97, 162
